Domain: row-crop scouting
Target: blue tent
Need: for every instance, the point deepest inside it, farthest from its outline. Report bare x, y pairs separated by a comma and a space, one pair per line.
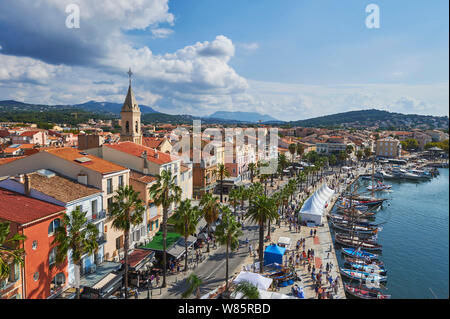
274, 254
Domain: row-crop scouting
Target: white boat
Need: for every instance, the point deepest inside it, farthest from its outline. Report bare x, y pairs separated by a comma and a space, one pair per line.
379, 187
383, 174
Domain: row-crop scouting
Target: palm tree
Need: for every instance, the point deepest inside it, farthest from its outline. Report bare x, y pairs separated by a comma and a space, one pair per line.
293, 150
301, 178
260, 211
300, 149
186, 220
234, 198
252, 167
210, 211
75, 235
248, 290
228, 232
127, 210
194, 284
10, 251
282, 162
242, 194
165, 192
221, 172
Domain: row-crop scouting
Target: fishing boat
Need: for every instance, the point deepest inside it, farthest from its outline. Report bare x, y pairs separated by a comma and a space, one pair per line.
367, 245
356, 213
363, 261
372, 268
379, 187
345, 218
422, 174
362, 292
383, 175
358, 230
363, 276
360, 254
368, 238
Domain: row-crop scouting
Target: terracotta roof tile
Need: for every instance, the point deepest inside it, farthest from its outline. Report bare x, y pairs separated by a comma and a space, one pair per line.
96, 164
137, 150
141, 177
22, 209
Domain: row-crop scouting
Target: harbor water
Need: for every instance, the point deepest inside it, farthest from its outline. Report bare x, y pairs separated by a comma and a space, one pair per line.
415, 237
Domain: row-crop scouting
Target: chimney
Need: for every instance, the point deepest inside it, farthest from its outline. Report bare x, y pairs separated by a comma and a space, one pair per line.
144, 154
156, 154
27, 185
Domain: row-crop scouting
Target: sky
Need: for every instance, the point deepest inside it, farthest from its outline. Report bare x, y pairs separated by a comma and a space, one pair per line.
291, 59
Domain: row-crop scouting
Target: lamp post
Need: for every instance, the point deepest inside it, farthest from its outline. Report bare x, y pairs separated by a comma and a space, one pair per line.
149, 287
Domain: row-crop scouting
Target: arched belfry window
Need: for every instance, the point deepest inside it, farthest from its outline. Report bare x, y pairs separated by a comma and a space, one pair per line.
127, 127
137, 127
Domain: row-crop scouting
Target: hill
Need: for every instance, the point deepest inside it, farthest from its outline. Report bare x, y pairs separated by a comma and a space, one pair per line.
375, 118
252, 117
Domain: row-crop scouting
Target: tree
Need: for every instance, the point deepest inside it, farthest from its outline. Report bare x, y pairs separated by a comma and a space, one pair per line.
332, 160
300, 149
293, 150
252, 168
10, 250
228, 232
261, 211
234, 198
221, 172
165, 192
194, 284
359, 154
349, 149
126, 211
186, 220
77, 236
210, 211
410, 144
248, 290
367, 152
282, 163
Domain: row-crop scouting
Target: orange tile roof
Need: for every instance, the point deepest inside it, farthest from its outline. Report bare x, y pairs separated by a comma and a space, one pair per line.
22, 209
152, 142
96, 164
29, 133
137, 150
141, 177
9, 159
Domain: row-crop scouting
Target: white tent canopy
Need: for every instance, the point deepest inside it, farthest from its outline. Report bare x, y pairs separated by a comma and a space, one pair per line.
312, 209
259, 281
284, 242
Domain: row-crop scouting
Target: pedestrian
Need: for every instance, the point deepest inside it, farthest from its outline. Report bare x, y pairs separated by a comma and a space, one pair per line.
157, 279
250, 250
136, 293
311, 233
327, 268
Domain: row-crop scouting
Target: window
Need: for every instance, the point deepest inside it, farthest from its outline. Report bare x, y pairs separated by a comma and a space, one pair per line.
57, 282
109, 202
14, 272
119, 242
127, 127
54, 224
94, 206
34, 245
109, 186
121, 181
52, 257
36, 276
156, 223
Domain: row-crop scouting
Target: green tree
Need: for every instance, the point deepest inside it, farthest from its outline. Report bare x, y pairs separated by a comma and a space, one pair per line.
127, 210
260, 212
221, 172
10, 251
228, 232
76, 235
194, 284
300, 149
165, 192
282, 163
359, 154
252, 168
248, 290
186, 219
210, 211
367, 152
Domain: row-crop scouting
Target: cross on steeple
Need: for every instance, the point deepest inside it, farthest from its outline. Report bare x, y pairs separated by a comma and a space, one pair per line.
129, 74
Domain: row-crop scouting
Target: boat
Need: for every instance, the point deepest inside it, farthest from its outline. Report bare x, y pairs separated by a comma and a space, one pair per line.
383, 175
367, 245
368, 238
346, 218
360, 254
379, 187
356, 213
363, 276
372, 268
363, 261
422, 174
355, 229
362, 292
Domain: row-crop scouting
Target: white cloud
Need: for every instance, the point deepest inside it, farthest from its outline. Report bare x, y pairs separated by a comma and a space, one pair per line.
249, 46
161, 33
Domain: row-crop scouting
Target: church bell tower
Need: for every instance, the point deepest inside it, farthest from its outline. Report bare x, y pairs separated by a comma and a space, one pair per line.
131, 117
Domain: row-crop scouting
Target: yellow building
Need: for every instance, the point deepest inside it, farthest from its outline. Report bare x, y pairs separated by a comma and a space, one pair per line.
388, 147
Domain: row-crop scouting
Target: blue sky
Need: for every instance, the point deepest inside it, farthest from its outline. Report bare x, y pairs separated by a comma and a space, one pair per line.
291, 59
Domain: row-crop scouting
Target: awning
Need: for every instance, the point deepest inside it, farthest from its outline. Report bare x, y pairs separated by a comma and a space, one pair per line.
139, 257
286, 241
201, 224
178, 249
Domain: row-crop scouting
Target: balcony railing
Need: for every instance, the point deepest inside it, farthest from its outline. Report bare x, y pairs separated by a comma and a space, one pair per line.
97, 216
101, 239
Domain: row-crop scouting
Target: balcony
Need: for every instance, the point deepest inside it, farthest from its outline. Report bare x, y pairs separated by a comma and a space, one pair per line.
101, 239
97, 217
